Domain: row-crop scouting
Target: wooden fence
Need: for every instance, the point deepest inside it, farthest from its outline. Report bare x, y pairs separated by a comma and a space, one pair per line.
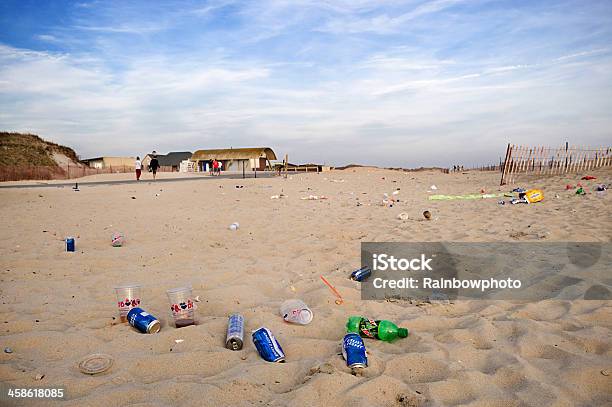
19, 173
552, 161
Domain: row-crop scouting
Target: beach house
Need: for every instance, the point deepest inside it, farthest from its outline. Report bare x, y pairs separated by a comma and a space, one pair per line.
235, 159
109, 162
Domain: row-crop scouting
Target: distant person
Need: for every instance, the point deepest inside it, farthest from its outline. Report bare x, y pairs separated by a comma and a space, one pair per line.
154, 165
215, 166
138, 167
220, 167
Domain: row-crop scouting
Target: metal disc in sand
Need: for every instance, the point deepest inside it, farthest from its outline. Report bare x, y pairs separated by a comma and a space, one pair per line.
96, 363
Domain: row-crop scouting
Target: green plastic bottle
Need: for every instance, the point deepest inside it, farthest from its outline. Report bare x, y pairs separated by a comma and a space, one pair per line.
369, 328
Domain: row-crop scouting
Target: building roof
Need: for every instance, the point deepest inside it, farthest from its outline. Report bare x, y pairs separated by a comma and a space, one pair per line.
234, 154
106, 157
173, 158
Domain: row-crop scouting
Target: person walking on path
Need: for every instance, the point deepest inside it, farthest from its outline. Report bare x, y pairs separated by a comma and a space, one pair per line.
215, 166
154, 165
138, 166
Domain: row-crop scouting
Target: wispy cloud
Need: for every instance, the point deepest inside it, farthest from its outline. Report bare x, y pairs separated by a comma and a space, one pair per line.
337, 81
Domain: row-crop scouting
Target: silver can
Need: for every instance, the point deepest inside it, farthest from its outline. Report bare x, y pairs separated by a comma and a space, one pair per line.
235, 332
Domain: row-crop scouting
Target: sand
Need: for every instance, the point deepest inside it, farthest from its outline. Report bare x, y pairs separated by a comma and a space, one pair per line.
58, 307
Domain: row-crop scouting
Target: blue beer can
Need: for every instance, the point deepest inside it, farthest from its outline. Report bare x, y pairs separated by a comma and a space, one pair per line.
361, 274
143, 321
267, 345
70, 244
353, 351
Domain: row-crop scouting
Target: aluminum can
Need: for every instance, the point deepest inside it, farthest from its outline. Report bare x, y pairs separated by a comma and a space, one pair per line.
361, 274
267, 345
70, 244
353, 351
235, 332
143, 321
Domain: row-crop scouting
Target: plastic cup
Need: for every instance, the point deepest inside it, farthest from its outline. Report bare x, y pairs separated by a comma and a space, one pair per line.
296, 311
128, 297
182, 306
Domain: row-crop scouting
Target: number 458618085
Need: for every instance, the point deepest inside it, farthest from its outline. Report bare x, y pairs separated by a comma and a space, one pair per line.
35, 393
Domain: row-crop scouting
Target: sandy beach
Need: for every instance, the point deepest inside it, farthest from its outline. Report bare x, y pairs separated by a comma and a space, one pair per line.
58, 307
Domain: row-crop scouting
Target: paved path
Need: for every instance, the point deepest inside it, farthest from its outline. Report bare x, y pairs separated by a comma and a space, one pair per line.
133, 181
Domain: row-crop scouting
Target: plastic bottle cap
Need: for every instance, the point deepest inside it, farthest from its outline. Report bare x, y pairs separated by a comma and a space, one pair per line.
402, 332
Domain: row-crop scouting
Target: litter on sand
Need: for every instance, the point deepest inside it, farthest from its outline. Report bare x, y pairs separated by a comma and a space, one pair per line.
313, 197
339, 300
468, 196
96, 363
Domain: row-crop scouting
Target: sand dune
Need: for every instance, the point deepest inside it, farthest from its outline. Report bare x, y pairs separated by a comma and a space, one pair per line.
59, 307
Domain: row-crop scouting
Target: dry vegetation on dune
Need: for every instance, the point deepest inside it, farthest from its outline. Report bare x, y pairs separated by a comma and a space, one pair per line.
18, 149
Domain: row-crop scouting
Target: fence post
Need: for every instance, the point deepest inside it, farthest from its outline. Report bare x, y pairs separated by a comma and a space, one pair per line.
508, 152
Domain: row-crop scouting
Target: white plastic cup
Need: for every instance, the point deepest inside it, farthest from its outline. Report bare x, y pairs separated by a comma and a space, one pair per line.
128, 297
182, 306
234, 226
296, 312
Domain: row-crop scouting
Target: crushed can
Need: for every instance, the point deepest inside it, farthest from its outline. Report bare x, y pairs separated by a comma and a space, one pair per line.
353, 351
235, 332
361, 274
267, 345
143, 321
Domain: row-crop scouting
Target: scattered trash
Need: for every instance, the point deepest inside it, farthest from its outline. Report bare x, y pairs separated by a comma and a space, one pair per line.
75, 187
433, 187
339, 300
568, 187
502, 202
427, 215
605, 372
468, 196
95, 363
179, 340
403, 216
377, 329
70, 244
482, 191
182, 306
361, 274
292, 288
128, 297
267, 346
279, 196
8, 350
235, 332
533, 195
313, 197
580, 191
396, 192
117, 239
601, 187
296, 311
336, 180
197, 298
588, 177
39, 376
354, 351
515, 201
234, 226
239, 186
133, 197
519, 190
143, 321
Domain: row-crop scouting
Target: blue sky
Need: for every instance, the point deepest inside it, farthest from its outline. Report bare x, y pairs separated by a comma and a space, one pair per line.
392, 83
